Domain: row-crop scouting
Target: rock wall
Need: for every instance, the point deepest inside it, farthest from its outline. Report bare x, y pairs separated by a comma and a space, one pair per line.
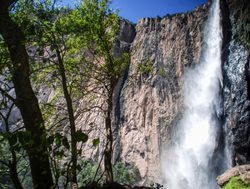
148, 98
236, 74
150, 101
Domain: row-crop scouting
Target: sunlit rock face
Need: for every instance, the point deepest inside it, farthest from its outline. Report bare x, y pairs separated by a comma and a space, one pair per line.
149, 97
150, 102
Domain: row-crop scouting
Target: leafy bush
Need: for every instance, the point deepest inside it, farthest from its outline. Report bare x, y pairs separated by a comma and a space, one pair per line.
126, 174
87, 172
237, 183
123, 174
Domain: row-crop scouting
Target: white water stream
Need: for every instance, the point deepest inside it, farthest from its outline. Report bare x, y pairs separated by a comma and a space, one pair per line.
198, 155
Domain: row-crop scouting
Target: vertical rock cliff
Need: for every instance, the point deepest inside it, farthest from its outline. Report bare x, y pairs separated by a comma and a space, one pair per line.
150, 100
149, 97
236, 60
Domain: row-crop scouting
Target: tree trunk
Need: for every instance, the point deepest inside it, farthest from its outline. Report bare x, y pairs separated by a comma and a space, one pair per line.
68, 99
12, 163
109, 135
14, 176
26, 100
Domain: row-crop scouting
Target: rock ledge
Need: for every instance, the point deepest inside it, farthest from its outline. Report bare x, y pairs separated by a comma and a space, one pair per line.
243, 171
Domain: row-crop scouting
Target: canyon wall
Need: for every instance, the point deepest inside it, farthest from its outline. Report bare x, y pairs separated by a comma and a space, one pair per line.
150, 100
149, 97
236, 75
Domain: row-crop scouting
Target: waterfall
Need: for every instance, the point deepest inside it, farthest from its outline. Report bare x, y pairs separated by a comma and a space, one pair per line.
197, 155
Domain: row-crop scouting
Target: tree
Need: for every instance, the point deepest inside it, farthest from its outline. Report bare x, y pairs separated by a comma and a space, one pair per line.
77, 47
26, 100
101, 32
11, 139
49, 34
88, 34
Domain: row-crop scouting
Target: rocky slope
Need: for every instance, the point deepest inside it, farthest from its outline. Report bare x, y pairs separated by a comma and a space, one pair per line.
148, 99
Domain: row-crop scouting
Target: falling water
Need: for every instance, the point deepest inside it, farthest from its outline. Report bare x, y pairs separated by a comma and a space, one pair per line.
197, 156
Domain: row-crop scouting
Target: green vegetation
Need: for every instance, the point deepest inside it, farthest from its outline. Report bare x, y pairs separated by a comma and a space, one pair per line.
237, 183
162, 72
146, 68
89, 170
46, 47
126, 174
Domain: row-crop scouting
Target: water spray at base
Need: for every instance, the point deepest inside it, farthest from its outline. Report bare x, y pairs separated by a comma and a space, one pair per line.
197, 155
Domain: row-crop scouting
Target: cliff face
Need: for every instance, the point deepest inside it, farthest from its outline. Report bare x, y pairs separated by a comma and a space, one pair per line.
236, 74
149, 97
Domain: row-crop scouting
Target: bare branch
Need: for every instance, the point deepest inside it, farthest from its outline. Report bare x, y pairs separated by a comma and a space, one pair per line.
8, 95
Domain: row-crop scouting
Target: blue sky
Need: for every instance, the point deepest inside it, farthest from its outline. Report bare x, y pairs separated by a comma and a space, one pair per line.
133, 10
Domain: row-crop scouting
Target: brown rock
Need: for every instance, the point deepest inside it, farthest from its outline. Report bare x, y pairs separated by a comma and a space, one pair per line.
243, 171
245, 176
149, 104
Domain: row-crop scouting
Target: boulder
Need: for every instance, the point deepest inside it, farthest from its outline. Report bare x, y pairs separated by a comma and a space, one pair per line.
243, 171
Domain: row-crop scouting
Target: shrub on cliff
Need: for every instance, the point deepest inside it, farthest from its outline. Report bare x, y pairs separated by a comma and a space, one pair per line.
237, 183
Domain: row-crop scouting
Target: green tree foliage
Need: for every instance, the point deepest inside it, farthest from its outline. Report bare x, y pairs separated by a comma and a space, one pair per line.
71, 52
4, 56
25, 99
102, 26
50, 35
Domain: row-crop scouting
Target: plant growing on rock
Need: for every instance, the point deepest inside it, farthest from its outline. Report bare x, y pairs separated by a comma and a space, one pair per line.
237, 183
146, 68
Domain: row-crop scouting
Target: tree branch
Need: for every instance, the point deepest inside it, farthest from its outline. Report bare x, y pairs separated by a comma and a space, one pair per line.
4, 163
8, 96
